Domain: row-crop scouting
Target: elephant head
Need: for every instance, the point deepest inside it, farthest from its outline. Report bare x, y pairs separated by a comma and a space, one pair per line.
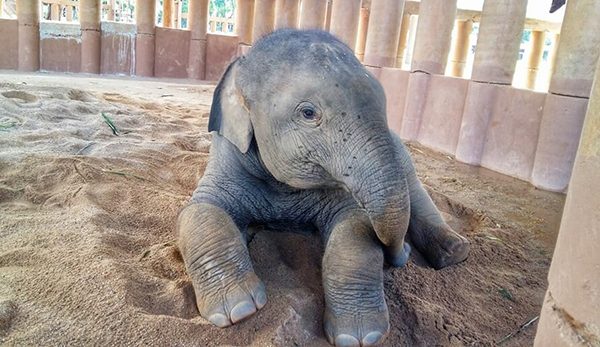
318, 118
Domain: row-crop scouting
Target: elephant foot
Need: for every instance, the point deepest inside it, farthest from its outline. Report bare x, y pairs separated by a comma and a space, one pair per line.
217, 260
443, 247
356, 328
397, 257
228, 306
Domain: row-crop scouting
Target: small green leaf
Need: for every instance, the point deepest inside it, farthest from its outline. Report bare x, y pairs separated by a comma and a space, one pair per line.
110, 124
5, 126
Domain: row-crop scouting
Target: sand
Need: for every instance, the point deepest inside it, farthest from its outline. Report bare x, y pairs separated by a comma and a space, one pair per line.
88, 253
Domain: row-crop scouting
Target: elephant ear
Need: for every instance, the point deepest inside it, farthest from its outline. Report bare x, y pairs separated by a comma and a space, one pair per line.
229, 115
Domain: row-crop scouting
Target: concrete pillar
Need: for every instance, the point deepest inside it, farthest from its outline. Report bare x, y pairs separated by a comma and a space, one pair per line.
198, 20
402, 40
167, 13
286, 14
432, 43
496, 54
312, 14
384, 32
264, 18
110, 15
28, 18
571, 312
460, 47
363, 26
244, 16
434, 33
499, 40
145, 16
89, 19
570, 86
344, 20
55, 12
534, 57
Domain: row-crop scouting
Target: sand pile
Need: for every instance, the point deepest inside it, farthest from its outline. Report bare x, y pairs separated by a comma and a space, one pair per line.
87, 251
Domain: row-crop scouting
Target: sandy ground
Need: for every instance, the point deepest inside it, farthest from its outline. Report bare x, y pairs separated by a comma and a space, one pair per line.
87, 251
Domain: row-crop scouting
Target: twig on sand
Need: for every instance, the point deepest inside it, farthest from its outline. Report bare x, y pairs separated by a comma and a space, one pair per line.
110, 123
518, 331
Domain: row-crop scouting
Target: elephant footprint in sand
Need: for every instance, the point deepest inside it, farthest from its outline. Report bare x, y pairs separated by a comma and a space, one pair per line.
300, 136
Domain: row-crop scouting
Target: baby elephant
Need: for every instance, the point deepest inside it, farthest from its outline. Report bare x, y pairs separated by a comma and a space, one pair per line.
300, 137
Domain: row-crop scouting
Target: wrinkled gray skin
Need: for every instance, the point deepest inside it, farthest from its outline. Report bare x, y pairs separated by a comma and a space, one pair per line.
301, 139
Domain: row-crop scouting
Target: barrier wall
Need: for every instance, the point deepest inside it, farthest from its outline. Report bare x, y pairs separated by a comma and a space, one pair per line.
60, 49
436, 106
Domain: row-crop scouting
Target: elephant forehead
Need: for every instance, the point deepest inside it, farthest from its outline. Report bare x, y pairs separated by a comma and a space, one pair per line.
295, 53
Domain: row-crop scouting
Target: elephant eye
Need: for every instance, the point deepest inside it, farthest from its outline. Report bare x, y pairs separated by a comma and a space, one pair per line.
308, 111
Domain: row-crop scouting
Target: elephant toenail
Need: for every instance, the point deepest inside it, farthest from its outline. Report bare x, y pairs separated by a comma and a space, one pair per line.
260, 299
242, 310
372, 338
219, 320
344, 340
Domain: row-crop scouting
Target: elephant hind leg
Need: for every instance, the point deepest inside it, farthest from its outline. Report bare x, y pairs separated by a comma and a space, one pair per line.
356, 313
427, 230
217, 260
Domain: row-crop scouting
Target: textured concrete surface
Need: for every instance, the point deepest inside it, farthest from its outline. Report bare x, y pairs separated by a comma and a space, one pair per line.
512, 132
118, 48
220, 51
60, 47
394, 82
560, 131
171, 53
417, 91
442, 114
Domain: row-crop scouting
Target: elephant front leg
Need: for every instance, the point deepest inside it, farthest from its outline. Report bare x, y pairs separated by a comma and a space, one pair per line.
356, 313
217, 260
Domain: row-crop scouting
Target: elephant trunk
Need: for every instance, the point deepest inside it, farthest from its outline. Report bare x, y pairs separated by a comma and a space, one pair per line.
379, 186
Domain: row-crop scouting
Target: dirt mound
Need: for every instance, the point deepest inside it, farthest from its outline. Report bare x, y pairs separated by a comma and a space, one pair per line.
88, 252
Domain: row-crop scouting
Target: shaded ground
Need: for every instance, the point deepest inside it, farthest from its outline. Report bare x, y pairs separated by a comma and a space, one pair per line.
87, 251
